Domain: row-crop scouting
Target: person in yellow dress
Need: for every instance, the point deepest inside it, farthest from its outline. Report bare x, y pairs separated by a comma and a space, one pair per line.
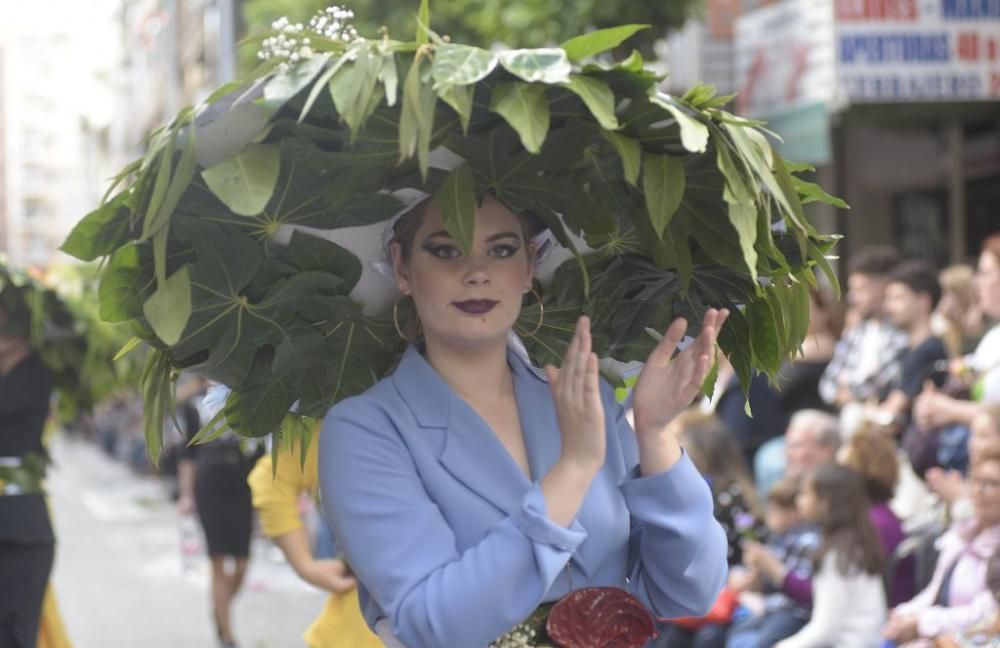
275, 497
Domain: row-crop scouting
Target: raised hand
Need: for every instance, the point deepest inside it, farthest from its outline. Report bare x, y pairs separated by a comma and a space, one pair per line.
575, 389
668, 384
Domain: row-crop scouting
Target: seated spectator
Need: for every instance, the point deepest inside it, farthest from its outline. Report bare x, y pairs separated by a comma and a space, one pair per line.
950, 485
849, 597
873, 456
911, 294
958, 319
989, 631
812, 439
934, 409
957, 597
716, 455
769, 614
863, 358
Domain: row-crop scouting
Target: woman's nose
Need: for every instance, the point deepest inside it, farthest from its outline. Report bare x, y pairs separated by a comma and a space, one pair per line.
476, 272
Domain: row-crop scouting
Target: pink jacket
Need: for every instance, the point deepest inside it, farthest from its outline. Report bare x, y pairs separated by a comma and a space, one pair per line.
969, 600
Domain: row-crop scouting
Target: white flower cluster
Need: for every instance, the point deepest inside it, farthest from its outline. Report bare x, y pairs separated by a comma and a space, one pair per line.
520, 636
332, 23
292, 42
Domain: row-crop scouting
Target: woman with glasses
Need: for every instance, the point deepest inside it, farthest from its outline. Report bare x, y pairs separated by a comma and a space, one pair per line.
958, 597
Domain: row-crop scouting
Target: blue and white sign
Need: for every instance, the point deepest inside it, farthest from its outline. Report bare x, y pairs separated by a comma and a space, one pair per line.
918, 50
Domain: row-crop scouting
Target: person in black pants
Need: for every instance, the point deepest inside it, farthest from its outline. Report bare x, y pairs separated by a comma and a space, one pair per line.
27, 541
212, 479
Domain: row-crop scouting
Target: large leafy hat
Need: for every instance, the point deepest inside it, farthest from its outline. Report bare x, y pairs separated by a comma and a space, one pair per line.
243, 244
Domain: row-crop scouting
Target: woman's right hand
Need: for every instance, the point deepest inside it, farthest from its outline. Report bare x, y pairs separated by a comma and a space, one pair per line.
576, 391
331, 575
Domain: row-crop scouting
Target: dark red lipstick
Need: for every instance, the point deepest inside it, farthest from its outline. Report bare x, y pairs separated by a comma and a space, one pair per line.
476, 306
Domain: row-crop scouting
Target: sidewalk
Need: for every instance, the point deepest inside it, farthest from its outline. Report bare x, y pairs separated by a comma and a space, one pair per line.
119, 577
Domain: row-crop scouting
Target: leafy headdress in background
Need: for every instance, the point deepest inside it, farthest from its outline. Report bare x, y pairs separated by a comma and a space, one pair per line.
73, 344
242, 244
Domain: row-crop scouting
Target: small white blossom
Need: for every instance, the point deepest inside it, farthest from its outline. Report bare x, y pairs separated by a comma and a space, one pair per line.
292, 44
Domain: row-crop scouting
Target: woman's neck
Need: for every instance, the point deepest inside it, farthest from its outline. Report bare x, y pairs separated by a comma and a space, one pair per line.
474, 373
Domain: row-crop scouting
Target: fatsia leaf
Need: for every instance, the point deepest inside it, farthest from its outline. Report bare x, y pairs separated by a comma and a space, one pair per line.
222, 334
101, 232
630, 153
663, 184
257, 407
525, 108
456, 198
157, 396
246, 181
460, 65
596, 42
312, 253
694, 134
179, 181
598, 97
763, 336
169, 307
362, 350
545, 65
124, 286
323, 83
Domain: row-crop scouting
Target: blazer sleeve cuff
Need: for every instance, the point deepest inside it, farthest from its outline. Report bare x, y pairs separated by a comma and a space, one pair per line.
681, 485
532, 519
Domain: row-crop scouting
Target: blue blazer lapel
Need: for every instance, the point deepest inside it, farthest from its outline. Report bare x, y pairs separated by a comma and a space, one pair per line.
471, 451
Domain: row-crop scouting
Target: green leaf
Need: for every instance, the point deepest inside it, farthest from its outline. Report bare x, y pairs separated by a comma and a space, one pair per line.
598, 97
763, 336
246, 181
361, 348
423, 22
322, 83
389, 76
352, 86
596, 42
157, 396
169, 308
416, 122
311, 253
663, 185
630, 153
456, 198
694, 134
127, 348
159, 186
548, 65
744, 219
284, 85
122, 287
460, 99
812, 192
180, 180
460, 65
525, 108
101, 232
256, 408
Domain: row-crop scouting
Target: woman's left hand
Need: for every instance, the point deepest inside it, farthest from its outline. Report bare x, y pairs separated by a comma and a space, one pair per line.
668, 384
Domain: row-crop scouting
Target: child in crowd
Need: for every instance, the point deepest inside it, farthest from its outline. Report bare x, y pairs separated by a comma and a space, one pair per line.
769, 614
849, 606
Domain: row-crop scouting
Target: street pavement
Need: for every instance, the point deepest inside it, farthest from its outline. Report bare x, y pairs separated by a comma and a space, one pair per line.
120, 580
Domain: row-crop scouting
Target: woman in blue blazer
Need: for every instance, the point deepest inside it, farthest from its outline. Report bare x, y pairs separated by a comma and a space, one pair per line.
468, 487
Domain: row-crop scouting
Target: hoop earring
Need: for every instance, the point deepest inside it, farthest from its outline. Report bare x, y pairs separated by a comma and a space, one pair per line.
395, 322
541, 317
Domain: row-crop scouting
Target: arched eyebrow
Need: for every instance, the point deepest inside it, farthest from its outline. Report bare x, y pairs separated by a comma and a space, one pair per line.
495, 237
